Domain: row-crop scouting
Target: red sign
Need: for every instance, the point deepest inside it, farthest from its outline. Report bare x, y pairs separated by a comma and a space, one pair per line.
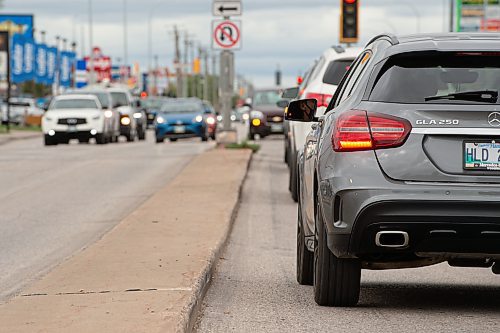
490, 25
226, 35
102, 65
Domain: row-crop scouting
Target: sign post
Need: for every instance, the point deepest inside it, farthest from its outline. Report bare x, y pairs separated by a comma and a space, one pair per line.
5, 69
226, 37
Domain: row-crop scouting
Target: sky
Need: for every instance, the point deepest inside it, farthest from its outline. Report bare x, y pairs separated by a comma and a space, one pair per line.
285, 33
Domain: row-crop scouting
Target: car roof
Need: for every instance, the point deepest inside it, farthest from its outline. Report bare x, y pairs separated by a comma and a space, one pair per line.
335, 53
458, 41
76, 96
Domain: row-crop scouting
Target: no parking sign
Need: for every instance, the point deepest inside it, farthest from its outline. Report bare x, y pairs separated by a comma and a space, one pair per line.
226, 35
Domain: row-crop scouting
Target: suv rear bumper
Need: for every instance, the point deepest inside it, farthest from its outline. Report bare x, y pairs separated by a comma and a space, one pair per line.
436, 227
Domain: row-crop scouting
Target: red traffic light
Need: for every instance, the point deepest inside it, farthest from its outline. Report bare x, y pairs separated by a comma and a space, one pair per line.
350, 2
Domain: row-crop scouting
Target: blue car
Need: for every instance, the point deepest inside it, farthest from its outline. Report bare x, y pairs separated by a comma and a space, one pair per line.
181, 118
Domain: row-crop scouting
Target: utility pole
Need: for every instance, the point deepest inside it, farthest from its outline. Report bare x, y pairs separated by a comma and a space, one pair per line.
185, 89
91, 42
125, 37
177, 64
205, 81
155, 91
215, 84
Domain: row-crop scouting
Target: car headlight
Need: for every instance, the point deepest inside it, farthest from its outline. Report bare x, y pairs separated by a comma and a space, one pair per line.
108, 113
210, 120
245, 116
198, 119
125, 121
219, 118
137, 115
160, 120
256, 114
233, 117
256, 122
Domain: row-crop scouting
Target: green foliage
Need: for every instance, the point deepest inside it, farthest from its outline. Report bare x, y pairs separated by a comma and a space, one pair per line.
244, 145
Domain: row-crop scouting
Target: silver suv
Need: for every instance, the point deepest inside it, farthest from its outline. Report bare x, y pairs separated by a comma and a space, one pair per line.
404, 168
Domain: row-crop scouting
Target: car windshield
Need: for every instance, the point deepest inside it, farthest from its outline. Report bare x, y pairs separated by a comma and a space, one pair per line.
153, 103
101, 96
177, 107
439, 78
74, 104
119, 99
266, 97
336, 70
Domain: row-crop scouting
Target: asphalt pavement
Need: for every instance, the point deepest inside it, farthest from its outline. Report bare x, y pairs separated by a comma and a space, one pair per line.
254, 288
55, 201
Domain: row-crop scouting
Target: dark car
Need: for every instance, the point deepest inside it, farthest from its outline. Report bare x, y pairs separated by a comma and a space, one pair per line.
403, 170
181, 118
151, 106
265, 116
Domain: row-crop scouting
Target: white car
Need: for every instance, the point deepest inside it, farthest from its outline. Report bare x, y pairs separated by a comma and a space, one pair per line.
112, 116
320, 84
21, 107
129, 117
75, 117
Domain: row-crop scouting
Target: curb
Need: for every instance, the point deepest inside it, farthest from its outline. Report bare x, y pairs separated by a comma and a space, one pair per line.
191, 312
11, 138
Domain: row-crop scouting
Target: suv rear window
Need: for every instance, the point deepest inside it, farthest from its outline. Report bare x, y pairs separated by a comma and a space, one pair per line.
439, 78
336, 70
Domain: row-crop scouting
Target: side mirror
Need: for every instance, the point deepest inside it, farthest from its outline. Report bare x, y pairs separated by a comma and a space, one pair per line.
282, 103
302, 110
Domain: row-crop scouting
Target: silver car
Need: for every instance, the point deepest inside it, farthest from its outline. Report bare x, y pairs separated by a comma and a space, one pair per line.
404, 168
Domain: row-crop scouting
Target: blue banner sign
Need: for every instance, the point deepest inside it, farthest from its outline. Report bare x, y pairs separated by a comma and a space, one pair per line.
51, 65
29, 59
17, 59
17, 24
41, 63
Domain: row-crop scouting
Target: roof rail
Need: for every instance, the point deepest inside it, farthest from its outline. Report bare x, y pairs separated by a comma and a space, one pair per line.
338, 48
392, 38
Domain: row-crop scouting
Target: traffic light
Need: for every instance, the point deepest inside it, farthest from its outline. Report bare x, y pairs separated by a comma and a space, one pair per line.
196, 66
278, 78
349, 11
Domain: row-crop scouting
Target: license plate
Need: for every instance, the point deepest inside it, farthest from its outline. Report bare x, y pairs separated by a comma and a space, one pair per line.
482, 156
179, 129
276, 128
71, 128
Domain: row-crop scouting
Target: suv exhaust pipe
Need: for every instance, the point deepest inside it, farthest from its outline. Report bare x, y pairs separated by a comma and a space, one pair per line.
392, 239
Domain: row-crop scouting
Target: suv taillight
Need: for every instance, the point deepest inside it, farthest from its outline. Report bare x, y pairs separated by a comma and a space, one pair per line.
360, 130
323, 99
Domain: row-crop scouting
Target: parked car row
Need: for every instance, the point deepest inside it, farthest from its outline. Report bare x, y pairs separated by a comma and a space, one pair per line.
400, 167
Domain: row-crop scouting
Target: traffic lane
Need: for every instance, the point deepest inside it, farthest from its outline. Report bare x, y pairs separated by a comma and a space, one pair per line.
254, 287
57, 200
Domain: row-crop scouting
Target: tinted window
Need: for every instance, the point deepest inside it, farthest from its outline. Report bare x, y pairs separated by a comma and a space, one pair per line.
420, 77
119, 99
336, 70
266, 97
74, 104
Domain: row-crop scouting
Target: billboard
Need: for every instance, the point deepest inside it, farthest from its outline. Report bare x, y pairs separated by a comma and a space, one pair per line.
19, 24
477, 15
102, 66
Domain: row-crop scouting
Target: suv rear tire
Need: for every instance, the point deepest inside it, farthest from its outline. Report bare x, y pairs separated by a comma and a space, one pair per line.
305, 258
336, 281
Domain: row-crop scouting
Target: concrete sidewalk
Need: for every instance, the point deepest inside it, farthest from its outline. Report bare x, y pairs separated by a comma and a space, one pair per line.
149, 273
18, 135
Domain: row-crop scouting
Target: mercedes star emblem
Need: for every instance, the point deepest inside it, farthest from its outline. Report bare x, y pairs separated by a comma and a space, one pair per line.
494, 119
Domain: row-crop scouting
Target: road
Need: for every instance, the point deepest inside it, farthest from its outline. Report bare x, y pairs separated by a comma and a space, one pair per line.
55, 201
254, 288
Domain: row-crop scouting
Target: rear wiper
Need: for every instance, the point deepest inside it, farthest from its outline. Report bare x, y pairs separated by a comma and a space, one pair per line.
490, 96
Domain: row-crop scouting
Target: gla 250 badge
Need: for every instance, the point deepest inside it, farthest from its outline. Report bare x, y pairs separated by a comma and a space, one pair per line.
437, 122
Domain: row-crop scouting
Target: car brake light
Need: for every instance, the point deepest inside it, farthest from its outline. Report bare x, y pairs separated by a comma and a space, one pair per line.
323, 99
358, 130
